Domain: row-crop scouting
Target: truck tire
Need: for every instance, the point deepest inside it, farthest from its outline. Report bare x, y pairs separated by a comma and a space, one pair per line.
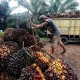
64, 40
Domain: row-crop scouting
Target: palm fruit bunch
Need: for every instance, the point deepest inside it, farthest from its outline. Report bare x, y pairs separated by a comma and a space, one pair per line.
57, 66
59, 71
18, 35
37, 46
5, 76
23, 36
42, 60
32, 72
70, 75
6, 48
17, 61
13, 46
8, 34
4, 51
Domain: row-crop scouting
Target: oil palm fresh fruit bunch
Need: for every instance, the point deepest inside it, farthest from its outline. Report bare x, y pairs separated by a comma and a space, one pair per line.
13, 46
18, 35
8, 34
57, 66
32, 72
70, 75
6, 48
41, 60
50, 75
37, 47
17, 61
59, 71
55, 71
4, 51
5, 76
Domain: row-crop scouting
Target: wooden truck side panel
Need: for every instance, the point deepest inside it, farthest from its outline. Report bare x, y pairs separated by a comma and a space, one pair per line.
68, 26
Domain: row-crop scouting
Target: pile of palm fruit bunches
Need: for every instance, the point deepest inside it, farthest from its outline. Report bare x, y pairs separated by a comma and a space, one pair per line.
23, 59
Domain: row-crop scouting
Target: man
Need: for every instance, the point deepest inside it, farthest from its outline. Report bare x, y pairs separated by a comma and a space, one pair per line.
53, 28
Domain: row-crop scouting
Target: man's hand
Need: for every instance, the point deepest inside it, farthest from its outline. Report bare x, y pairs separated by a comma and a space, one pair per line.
31, 23
39, 25
33, 28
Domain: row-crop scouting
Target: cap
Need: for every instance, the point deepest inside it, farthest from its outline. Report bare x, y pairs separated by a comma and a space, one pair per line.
42, 16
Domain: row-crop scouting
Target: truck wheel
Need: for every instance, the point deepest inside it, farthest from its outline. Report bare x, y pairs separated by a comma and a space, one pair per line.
64, 40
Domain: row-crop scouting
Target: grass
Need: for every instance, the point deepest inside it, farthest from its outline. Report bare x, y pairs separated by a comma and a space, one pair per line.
1, 33
44, 39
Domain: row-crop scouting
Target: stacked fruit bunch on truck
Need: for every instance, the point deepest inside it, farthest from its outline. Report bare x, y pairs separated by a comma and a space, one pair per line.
27, 61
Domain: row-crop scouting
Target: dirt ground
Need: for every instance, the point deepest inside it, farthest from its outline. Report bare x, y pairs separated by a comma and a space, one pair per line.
72, 56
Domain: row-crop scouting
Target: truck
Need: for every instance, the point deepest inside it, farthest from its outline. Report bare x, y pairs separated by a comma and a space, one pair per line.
70, 29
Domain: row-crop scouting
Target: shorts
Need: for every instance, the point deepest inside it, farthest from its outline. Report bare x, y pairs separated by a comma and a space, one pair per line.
56, 40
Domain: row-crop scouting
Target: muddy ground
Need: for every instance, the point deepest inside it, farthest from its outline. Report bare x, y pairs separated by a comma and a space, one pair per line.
72, 56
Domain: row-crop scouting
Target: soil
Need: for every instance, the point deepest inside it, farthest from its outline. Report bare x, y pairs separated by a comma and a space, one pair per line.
71, 57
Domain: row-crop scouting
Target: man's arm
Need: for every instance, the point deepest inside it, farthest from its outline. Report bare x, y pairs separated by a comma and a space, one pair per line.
40, 25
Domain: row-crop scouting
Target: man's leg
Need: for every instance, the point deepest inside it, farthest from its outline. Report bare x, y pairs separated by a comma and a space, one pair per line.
52, 48
54, 43
62, 45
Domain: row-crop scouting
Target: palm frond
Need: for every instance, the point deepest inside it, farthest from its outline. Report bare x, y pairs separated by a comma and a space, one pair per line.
66, 5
